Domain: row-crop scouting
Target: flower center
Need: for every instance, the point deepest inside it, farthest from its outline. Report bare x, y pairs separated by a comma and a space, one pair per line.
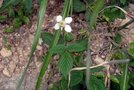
62, 23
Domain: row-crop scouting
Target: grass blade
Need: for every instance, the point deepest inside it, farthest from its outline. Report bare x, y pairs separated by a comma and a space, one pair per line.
98, 6
7, 4
36, 38
124, 80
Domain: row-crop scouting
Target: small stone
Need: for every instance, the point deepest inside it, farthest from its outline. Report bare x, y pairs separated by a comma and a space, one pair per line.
39, 47
40, 41
12, 66
5, 52
6, 72
1, 67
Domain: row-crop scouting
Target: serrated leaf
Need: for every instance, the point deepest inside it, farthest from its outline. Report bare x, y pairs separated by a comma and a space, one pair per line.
55, 87
66, 63
69, 37
17, 22
87, 15
96, 84
9, 29
76, 78
25, 20
28, 5
98, 69
64, 83
131, 48
118, 38
78, 6
47, 38
123, 1
113, 13
2, 18
58, 49
114, 79
90, 1
77, 47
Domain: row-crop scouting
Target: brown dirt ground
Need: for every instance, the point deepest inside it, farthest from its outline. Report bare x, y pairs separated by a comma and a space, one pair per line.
13, 64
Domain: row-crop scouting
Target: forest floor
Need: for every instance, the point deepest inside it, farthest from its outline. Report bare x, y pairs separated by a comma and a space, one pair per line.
15, 47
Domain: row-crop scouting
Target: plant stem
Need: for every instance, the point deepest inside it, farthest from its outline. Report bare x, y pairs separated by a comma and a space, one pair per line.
124, 82
47, 61
88, 64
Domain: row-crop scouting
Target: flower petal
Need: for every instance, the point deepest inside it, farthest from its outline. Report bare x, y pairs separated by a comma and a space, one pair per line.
68, 28
59, 18
57, 26
68, 20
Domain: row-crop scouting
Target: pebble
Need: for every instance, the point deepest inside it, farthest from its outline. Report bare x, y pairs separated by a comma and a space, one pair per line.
5, 52
12, 67
1, 67
6, 72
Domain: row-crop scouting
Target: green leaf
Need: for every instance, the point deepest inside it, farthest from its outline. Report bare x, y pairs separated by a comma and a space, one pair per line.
113, 13
78, 6
77, 47
58, 49
98, 69
114, 79
98, 6
131, 79
119, 55
90, 1
28, 5
47, 38
131, 48
66, 63
9, 29
2, 18
79, 59
123, 1
17, 22
118, 38
11, 12
77, 87
76, 78
55, 87
64, 84
25, 20
69, 37
87, 15
96, 84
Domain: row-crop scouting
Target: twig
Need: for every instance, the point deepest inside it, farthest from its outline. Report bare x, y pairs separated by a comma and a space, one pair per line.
104, 63
125, 25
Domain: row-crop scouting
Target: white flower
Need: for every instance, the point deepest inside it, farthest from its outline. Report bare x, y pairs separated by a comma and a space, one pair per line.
63, 23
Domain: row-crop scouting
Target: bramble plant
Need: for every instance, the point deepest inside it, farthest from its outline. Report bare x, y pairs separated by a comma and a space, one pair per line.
77, 70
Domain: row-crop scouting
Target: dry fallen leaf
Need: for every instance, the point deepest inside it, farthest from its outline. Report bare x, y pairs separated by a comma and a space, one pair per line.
5, 52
